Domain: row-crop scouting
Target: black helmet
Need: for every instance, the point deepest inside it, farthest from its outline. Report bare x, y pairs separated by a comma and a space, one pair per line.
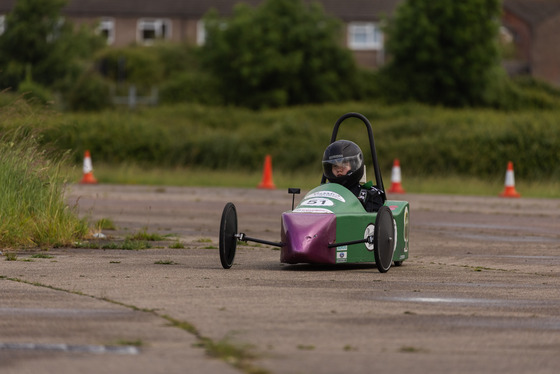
343, 154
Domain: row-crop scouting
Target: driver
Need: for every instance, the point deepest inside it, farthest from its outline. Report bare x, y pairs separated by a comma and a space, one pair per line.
343, 163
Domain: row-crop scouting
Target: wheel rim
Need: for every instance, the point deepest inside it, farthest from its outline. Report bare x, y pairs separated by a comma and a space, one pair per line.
228, 230
383, 239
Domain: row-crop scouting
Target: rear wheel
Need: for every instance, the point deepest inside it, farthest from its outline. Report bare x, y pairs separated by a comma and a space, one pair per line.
383, 239
228, 240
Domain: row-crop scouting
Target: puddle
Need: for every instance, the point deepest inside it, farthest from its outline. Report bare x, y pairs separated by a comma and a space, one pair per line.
449, 300
98, 349
477, 302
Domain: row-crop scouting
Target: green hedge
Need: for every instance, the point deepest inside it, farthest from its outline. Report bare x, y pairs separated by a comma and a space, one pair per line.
427, 140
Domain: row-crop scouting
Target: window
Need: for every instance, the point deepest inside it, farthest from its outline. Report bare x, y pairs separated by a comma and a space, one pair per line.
57, 28
200, 33
106, 29
365, 36
506, 36
2, 23
151, 29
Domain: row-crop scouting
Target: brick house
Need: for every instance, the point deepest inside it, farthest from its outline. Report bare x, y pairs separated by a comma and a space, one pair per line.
533, 26
534, 29
125, 22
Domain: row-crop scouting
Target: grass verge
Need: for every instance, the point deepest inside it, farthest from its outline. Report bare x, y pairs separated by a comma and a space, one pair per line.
33, 212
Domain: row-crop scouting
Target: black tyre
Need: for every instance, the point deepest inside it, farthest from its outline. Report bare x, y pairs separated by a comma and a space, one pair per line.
383, 239
228, 230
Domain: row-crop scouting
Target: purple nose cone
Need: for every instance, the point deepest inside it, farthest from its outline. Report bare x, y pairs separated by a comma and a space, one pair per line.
306, 237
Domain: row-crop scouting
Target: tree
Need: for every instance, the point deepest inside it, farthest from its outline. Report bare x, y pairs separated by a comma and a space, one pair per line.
280, 53
38, 41
444, 52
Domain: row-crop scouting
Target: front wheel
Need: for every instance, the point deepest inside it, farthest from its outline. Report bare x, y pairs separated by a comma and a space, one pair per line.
383, 239
228, 240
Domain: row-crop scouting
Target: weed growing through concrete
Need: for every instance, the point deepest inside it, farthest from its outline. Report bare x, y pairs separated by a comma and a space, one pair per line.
127, 244
135, 245
144, 235
166, 262
105, 224
239, 356
134, 343
304, 347
11, 256
41, 255
410, 349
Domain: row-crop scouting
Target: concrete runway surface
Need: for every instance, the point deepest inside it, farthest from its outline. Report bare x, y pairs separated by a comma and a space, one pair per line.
480, 292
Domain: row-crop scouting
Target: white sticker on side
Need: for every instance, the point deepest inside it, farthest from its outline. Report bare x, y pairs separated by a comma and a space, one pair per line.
406, 229
370, 229
341, 257
395, 240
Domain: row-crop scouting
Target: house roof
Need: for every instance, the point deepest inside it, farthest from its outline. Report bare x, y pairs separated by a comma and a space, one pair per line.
6, 5
347, 10
533, 12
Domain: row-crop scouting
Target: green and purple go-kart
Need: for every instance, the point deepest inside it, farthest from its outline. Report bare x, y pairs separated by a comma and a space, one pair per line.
331, 226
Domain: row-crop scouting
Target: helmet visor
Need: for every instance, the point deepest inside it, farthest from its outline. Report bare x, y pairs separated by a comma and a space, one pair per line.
338, 166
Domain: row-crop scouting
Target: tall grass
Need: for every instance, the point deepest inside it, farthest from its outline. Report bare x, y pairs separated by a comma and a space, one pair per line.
33, 212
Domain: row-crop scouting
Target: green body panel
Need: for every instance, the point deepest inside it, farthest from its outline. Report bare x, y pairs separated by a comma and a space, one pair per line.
354, 223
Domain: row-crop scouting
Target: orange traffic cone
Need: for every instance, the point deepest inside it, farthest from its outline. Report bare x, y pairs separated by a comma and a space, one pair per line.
509, 190
88, 177
267, 175
396, 186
